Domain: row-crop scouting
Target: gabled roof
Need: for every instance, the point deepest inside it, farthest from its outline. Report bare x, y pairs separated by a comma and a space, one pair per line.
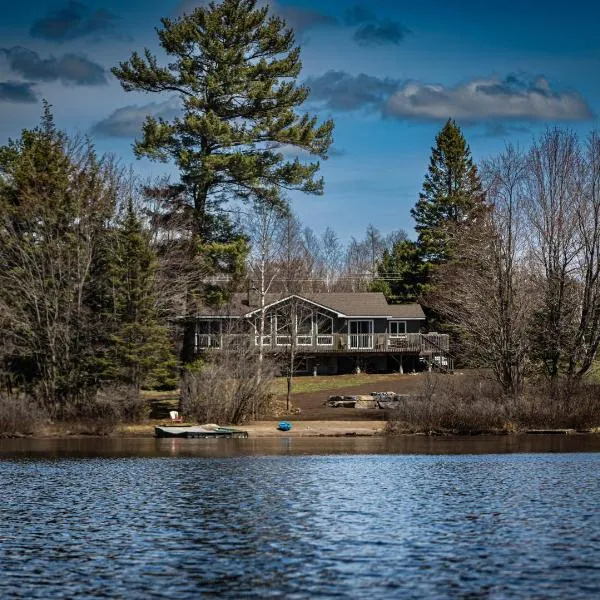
367, 304
406, 311
307, 299
344, 304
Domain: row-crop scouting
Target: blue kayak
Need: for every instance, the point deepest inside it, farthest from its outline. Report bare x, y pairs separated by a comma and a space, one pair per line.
284, 426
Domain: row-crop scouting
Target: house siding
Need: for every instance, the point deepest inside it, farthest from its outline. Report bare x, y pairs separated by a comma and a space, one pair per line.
380, 325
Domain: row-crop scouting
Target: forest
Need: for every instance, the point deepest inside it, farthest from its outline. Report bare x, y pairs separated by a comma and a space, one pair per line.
99, 267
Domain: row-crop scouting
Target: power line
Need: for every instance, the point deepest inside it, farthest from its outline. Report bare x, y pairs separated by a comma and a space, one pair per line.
357, 277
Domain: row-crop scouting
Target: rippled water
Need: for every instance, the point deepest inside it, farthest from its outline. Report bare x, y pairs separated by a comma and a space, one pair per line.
171, 524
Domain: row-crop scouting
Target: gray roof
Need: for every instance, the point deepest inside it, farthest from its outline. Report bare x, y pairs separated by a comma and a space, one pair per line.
349, 304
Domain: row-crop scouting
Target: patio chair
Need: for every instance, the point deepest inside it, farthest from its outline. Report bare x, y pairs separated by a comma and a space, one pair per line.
175, 418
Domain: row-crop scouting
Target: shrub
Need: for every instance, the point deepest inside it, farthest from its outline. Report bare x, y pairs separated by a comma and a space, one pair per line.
19, 415
131, 406
559, 404
468, 406
95, 416
101, 412
227, 389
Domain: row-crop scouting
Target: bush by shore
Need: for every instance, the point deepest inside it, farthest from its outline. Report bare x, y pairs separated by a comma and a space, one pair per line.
19, 415
99, 414
449, 405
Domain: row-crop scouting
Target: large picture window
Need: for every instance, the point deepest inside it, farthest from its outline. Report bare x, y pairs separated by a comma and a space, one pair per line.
304, 326
282, 327
266, 340
324, 329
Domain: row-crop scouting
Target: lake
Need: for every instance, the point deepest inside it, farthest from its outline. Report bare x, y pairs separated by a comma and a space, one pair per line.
414, 517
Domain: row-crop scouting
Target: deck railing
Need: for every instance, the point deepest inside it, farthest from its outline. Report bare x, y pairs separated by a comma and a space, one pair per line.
414, 343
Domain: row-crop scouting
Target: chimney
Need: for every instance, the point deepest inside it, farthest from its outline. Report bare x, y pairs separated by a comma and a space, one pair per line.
253, 295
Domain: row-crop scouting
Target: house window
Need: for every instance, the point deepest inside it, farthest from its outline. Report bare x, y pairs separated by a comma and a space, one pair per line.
282, 328
324, 330
208, 335
397, 329
304, 328
266, 340
294, 321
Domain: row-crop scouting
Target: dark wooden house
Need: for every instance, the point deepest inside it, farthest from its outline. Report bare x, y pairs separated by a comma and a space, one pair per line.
330, 332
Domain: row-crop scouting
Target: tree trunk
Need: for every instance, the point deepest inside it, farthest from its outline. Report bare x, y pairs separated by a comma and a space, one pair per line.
288, 399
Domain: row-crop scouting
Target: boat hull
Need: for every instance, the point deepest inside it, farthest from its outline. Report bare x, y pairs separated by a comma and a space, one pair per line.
199, 433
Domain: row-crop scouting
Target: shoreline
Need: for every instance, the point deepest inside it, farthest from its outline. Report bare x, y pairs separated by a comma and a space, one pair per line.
300, 429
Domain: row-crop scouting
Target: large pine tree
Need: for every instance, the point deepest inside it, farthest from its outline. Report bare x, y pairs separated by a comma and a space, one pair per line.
452, 195
234, 69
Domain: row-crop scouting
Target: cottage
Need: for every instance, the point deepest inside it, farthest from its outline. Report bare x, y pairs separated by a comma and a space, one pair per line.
330, 332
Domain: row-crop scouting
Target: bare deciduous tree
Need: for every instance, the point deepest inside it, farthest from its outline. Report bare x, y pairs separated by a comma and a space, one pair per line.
552, 199
292, 323
587, 336
263, 226
525, 287
332, 258
295, 263
513, 298
227, 388
483, 291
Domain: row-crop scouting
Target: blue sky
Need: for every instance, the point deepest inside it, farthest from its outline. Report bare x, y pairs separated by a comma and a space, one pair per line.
389, 72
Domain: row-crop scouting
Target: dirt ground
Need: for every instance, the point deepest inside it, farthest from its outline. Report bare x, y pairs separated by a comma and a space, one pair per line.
313, 407
314, 417
314, 428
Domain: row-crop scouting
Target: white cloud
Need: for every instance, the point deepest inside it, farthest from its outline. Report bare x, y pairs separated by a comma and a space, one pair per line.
341, 91
487, 99
126, 122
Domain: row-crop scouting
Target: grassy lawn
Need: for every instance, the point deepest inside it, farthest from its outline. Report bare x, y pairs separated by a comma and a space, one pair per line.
306, 383
159, 394
161, 403
329, 382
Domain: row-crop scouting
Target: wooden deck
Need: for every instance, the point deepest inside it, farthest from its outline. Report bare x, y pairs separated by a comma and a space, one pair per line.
422, 344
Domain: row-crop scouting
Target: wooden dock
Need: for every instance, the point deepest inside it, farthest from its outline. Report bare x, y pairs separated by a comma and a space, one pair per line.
199, 432
551, 431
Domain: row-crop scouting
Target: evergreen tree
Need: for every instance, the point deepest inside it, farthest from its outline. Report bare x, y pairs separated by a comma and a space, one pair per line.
452, 196
234, 69
56, 197
138, 348
401, 273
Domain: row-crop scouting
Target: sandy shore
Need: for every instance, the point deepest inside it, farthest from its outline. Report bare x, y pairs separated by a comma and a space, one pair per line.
315, 428
262, 429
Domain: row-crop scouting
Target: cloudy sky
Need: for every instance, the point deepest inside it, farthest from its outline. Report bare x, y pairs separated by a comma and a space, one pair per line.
390, 72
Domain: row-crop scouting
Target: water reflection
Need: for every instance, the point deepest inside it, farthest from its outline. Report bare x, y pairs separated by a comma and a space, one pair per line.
295, 446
